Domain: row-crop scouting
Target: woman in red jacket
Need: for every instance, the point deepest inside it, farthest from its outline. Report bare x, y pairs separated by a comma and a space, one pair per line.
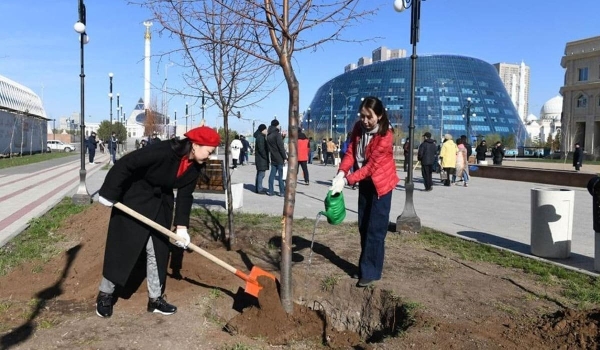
370, 155
303, 148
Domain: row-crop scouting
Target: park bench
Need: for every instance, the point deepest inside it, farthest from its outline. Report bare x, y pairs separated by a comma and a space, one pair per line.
215, 170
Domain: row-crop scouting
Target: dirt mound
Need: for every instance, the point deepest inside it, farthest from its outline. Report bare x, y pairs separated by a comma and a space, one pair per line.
455, 304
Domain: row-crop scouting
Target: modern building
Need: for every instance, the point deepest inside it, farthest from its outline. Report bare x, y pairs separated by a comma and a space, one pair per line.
444, 83
581, 95
515, 78
23, 121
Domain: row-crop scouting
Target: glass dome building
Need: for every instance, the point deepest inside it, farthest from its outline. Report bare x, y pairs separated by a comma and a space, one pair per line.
443, 84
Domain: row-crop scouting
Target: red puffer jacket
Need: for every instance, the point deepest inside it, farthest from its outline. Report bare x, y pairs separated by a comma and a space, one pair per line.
302, 150
379, 165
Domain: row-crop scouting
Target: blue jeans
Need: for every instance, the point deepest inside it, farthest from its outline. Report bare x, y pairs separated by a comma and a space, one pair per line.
276, 168
310, 157
113, 155
260, 175
373, 219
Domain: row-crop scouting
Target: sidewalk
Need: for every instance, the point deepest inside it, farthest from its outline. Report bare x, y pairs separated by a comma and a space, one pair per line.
490, 211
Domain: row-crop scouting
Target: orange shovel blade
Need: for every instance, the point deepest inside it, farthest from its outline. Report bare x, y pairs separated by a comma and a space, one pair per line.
252, 285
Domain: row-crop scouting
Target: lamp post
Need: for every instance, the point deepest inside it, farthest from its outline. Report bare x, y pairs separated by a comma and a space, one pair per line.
468, 119
175, 123
408, 220
204, 106
331, 114
82, 195
110, 97
53, 129
308, 120
186, 116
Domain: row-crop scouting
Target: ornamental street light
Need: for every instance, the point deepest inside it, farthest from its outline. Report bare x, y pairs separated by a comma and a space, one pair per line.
203, 106
331, 115
186, 117
467, 108
110, 98
308, 120
408, 220
82, 196
346, 114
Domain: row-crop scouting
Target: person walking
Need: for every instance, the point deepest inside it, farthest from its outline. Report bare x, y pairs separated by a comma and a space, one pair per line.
112, 147
371, 155
303, 151
448, 157
330, 146
407, 152
426, 155
480, 152
467, 146
462, 164
344, 146
323, 150
144, 181
261, 157
313, 148
498, 153
244, 150
577, 157
278, 158
92, 144
236, 148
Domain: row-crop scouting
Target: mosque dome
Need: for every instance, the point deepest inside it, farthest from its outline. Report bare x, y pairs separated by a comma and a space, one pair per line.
531, 118
552, 109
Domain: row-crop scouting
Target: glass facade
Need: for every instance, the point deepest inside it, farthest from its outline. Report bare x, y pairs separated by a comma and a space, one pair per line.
443, 84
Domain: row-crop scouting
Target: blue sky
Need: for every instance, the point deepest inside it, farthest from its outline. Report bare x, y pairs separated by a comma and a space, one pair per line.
40, 49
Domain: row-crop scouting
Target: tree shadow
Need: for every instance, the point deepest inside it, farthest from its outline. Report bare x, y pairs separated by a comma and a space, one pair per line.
25, 331
211, 227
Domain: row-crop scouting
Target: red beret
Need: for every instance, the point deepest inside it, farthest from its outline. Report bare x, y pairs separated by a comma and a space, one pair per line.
204, 136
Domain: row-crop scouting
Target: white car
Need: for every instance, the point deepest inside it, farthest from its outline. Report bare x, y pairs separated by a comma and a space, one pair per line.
56, 145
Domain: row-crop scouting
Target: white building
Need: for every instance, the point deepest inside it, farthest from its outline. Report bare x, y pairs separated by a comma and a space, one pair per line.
516, 81
550, 123
533, 128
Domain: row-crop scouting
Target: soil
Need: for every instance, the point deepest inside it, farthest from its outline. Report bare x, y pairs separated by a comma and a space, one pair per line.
427, 298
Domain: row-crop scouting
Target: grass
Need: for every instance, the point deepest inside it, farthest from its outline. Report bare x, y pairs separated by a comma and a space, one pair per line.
579, 288
237, 346
328, 283
37, 243
31, 159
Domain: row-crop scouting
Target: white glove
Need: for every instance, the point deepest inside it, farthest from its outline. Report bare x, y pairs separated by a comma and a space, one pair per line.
105, 201
185, 237
338, 183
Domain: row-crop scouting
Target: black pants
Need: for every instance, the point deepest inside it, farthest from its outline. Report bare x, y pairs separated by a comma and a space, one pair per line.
304, 170
329, 155
426, 171
449, 172
92, 153
405, 165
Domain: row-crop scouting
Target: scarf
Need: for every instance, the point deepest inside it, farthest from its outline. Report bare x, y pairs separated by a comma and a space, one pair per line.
365, 138
185, 163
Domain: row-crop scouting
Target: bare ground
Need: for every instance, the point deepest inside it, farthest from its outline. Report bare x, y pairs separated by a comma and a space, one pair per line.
455, 304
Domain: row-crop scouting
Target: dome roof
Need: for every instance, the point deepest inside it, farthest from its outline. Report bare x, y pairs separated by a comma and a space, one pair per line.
531, 118
552, 108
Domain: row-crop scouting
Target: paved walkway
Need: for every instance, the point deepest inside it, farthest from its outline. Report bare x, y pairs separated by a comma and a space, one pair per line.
489, 210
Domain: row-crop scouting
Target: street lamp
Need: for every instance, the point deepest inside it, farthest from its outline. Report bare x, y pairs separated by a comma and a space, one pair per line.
82, 195
308, 120
346, 115
204, 106
468, 118
186, 116
110, 97
331, 114
408, 220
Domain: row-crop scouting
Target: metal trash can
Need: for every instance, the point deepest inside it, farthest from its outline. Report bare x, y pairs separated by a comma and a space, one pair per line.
551, 222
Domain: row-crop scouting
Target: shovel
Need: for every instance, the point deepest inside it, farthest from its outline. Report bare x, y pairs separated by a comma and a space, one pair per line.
252, 285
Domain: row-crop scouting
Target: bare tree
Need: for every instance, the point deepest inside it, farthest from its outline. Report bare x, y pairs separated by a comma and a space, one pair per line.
272, 30
216, 65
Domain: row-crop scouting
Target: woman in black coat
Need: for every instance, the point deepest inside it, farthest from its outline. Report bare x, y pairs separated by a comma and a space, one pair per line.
261, 157
480, 151
577, 157
144, 180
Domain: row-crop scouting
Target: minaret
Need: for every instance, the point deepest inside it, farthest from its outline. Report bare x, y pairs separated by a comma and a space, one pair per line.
147, 38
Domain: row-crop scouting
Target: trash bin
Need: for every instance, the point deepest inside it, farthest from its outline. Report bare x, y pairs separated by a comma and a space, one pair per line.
551, 222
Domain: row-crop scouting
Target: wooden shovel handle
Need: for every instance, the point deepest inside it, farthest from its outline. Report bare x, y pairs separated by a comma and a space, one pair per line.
172, 235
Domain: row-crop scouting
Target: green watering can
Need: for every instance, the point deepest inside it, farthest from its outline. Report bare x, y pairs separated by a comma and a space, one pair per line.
335, 209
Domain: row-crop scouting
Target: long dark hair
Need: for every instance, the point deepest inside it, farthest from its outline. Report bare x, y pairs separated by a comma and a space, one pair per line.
372, 102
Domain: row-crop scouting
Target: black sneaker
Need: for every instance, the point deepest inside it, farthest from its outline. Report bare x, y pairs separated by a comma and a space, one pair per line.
104, 304
161, 306
363, 282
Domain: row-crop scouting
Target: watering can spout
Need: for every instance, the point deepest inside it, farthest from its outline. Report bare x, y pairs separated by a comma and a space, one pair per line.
335, 208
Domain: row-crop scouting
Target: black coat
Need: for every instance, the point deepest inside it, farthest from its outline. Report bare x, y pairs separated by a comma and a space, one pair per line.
480, 151
275, 145
498, 153
261, 153
144, 180
427, 151
92, 144
577, 157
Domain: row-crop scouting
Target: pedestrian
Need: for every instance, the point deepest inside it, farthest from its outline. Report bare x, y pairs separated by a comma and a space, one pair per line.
112, 147
313, 148
462, 164
144, 181
154, 139
371, 155
92, 144
426, 155
448, 157
480, 152
577, 157
407, 153
137, 144
344, 147
303, 150
498, 153
236, 148
278, 157
330, 146
323, 150
261, 157
244, 150
467, 146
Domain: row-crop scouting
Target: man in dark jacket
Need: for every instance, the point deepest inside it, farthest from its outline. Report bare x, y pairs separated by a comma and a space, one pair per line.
112, 147
92, 144
261, 157
278, 157
426, 155
244, 150
498, 153
577, 157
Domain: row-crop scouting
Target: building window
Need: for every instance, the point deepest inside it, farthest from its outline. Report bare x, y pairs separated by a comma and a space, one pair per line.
581, 101
583, 74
